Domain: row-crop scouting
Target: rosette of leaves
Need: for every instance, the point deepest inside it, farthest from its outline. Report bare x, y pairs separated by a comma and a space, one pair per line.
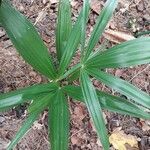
53, 96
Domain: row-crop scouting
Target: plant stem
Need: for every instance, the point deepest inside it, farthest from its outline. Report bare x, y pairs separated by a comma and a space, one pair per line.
73, 69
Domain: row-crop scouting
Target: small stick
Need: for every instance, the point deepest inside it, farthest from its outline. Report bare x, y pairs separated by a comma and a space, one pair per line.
139, 73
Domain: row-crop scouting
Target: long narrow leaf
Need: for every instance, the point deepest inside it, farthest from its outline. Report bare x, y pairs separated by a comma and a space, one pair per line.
59, 122
11, 99
26, 39
72, 44
74, 76
130, 53
94, 108
34, 113
109, 102
102, 21
122, 86
86, 8
42, 102
25, 127
71, 71
64, 26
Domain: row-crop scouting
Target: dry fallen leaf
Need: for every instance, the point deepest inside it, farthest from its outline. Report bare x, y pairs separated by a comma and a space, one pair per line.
79, 112
73, 3
4, 144
42, 13
117, 36
118, 72
53, 1
37, 126
145, 125
75, 140
96, 6
125, 5
119, 139
99, 142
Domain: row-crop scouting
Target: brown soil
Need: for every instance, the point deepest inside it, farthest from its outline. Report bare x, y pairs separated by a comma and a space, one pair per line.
131, 16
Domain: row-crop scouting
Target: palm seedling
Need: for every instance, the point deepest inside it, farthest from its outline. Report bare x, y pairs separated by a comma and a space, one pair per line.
53, 96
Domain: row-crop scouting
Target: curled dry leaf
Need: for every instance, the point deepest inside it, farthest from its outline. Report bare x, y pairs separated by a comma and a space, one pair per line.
117, 36
120, 139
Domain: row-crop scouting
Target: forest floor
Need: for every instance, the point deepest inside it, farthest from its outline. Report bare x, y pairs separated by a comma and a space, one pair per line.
130, 17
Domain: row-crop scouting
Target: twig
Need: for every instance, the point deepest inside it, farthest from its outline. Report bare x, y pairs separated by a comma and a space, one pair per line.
42, 13
139, 73
76, 132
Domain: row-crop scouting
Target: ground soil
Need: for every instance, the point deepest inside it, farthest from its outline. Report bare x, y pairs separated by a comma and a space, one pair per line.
131, 16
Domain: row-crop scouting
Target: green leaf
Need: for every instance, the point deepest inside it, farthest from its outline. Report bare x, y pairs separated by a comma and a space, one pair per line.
86, 8
34, 113
130, 53
101, 23
72, 70
122, 86
74, 76
14, 98
64, 26
9, 102
41, 103
122, 106
59, 122
94, 108
109, 102
26, 40
25, 127
74, 92
72, 44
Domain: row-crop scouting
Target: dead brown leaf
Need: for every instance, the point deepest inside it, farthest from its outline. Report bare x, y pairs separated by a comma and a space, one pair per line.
120, 139
75, 140
53, 1
145, 125
73, 3
3, 144
96, 6
79, 112
117, 36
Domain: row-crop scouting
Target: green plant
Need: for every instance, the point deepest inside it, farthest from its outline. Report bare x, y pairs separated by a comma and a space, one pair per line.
53, 95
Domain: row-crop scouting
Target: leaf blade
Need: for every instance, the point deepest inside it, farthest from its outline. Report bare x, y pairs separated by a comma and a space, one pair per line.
29, 121
72, 44
59, 122
94, 108
130, 53
64, 26
109, 102
122, 86
14, 98
86, 9
25, 127
26, 40
101, 23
